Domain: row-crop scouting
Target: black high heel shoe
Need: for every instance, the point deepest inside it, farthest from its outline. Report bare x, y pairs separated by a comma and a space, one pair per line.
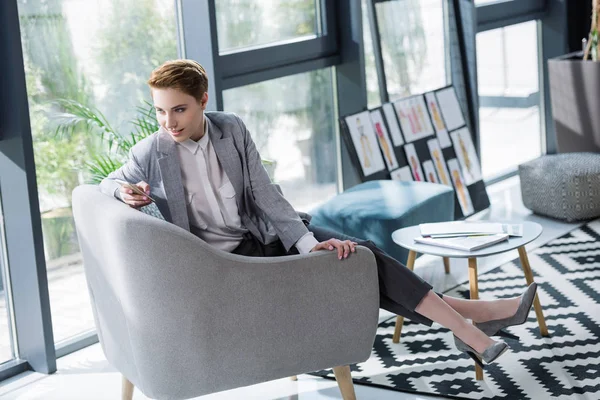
495, 327
489, 355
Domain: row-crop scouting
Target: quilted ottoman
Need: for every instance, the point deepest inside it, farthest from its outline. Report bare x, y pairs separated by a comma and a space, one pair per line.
374, 209
562, 186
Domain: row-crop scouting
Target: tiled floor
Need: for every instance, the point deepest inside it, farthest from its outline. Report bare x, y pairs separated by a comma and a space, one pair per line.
87, 375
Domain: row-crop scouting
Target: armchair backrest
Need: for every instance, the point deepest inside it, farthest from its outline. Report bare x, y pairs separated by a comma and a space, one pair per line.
180, 318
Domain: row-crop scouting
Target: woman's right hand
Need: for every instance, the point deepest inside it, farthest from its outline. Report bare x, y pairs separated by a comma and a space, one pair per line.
133, 199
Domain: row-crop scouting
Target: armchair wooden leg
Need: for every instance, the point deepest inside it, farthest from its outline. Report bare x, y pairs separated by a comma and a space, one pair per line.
126, 389
447, 265
410, 264
344, 380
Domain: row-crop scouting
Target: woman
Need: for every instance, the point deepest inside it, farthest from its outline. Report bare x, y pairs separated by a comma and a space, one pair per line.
206, 176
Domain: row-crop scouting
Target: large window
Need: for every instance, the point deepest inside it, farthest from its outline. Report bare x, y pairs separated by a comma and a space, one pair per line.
78, 54
413, 44
509, 113
249, 23
291, 120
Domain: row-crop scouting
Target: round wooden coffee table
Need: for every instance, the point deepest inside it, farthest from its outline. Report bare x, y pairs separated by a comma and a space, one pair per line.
405, 237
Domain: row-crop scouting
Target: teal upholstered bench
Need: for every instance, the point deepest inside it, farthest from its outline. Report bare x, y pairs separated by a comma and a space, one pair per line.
373, 210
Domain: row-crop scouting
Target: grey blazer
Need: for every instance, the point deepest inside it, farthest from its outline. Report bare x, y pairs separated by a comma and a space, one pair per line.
262, 208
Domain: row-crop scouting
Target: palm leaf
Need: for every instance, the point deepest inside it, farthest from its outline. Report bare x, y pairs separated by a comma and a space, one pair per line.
77, 115
100, 167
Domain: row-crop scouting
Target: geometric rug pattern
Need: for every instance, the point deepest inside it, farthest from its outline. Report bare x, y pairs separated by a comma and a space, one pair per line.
564, 365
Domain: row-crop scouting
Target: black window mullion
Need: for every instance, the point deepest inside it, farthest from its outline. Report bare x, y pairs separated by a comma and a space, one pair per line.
279, 72
24, 243
269, 57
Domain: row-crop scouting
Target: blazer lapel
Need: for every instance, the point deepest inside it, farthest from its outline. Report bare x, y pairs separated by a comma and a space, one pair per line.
170, 172
229, 158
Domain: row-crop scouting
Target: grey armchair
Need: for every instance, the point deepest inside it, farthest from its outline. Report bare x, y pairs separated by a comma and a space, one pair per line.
181, 319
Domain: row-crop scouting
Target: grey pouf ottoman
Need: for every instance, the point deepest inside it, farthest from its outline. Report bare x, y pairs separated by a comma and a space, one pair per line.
562, 186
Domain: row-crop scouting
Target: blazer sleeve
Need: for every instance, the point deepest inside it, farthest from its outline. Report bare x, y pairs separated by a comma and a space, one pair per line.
130, 172
288, 225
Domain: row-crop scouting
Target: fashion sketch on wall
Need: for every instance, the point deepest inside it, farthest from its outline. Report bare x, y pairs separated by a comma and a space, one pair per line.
439, 162
402, 174
465, 151
384, 140
430, 174
451, 112
461, 188
414, 119
414, 163
390, 117
438, 122
365, 143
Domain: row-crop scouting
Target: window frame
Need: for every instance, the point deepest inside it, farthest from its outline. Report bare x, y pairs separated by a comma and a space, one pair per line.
552, 42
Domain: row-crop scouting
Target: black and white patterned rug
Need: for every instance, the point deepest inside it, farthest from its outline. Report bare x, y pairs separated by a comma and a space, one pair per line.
565, 365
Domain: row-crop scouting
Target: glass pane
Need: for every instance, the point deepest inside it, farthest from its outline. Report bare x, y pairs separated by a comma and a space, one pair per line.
509, 112
412, 45
98, 54
294, 128
373, 96
7, 352
246, 23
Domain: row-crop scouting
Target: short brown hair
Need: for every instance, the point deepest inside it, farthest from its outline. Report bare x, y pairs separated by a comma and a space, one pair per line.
187, 76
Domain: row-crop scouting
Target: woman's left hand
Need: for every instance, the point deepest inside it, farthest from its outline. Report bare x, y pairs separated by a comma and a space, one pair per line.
344, 247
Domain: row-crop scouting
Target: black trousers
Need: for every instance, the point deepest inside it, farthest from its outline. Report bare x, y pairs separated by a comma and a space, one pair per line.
400, 289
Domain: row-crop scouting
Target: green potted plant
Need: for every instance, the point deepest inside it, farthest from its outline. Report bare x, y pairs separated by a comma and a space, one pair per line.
574, 81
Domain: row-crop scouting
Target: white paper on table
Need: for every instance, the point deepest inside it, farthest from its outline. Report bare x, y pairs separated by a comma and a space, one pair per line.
461, 228
513, 229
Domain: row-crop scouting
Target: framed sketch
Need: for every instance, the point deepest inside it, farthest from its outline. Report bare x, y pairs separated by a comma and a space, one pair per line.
414, 119
390, 117
413, 162
437, 157
438, 122
402, 174
461, 189
365, 143
465, 152
384, 140
429, 170
453, 116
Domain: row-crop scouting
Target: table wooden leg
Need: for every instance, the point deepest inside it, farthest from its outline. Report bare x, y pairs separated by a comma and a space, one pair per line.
447, 265
536, 302
410, 264
474, 286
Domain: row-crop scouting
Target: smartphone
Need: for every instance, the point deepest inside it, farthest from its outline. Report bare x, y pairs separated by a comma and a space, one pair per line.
135, 189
